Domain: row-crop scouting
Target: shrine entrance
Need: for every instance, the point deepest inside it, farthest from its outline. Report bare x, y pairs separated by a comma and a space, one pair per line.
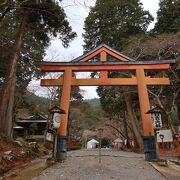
86, 63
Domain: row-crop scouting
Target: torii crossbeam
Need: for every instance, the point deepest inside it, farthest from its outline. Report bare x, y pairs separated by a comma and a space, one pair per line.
84, 63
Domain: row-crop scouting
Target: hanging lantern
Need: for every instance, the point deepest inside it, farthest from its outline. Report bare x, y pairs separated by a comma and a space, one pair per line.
56, 116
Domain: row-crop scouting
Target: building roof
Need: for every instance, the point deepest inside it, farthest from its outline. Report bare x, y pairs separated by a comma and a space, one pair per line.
93, 141
57, 109
33, 118
17, 126
156, 109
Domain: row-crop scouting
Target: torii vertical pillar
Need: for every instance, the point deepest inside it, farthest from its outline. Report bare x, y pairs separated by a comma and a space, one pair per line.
144, 103
64, 104
148, 138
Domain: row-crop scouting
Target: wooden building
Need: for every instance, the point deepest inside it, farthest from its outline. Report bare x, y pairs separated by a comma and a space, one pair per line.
34, 125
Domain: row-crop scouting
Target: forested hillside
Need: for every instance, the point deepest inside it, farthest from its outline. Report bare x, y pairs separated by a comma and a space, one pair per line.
93, 102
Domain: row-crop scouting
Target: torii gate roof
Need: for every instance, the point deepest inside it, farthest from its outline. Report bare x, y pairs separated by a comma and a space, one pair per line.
85, 60
106, 48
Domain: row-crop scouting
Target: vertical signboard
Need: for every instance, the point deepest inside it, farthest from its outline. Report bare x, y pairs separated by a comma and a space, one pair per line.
157, 121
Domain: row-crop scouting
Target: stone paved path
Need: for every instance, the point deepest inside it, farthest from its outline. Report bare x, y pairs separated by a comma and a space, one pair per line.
115, 165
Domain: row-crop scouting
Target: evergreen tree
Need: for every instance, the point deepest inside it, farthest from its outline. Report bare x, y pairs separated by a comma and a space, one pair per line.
111, 21
168, 17
33, 22
168, 21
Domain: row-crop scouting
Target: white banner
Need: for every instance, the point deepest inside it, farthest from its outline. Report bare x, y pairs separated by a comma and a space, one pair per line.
157, 121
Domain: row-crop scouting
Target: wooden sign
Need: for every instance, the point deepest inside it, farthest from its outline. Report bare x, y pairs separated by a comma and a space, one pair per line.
165, 134
157, 121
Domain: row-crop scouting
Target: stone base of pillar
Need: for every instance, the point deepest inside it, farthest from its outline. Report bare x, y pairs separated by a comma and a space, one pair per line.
61, 150
150, 148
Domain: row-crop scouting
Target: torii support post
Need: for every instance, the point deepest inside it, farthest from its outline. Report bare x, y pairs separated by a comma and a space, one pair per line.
144, 103
64, 104
148, 138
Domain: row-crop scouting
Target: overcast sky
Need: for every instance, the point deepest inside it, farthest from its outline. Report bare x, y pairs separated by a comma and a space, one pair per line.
76, 14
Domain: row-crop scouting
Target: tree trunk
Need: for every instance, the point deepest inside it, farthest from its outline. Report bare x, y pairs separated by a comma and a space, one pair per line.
138, 138
7, 93
8, 124
170, 125
178, 106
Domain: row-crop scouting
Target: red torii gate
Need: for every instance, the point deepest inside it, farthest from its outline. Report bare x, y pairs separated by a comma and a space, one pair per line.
84, 63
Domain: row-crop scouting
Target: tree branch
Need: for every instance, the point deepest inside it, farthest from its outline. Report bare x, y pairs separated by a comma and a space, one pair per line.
110, 125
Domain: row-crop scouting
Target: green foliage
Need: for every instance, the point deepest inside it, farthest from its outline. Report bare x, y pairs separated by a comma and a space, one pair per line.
46, 20
112, 21
168, 17
111, 100
42, 21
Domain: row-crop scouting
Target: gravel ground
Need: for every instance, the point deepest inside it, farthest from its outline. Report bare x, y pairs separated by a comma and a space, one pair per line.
84, 165
171, 172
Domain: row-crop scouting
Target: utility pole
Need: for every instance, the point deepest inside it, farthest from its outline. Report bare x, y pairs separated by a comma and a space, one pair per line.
100, 130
